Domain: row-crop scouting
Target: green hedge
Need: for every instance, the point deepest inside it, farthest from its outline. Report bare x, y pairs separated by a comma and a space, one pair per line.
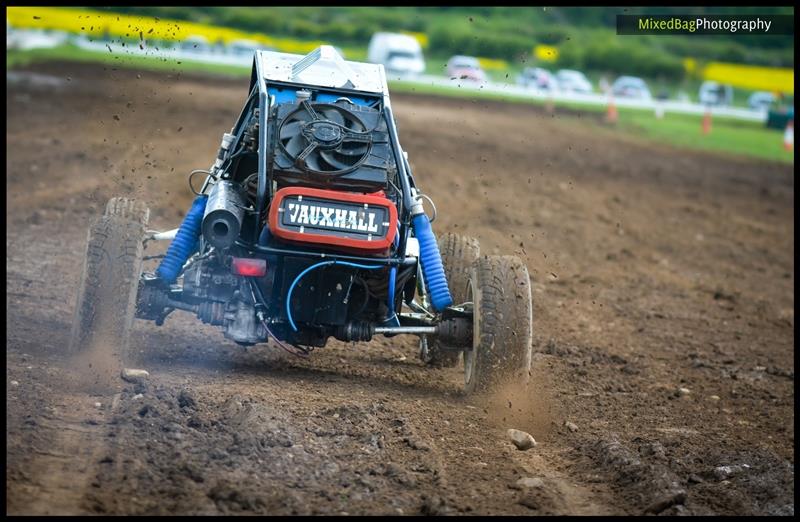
620, 57
450, 41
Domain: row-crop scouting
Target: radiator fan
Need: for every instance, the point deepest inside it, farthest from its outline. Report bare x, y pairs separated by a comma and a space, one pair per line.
325, 139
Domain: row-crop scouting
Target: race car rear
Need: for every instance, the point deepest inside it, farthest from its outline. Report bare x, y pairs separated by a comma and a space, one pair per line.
309, 225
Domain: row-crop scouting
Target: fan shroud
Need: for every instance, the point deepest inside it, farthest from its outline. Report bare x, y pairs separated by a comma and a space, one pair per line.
324, 138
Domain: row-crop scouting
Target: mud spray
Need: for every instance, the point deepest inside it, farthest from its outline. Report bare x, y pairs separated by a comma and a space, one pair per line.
98, 366
529, 407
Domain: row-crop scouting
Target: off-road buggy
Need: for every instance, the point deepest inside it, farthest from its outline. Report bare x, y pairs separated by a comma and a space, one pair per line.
309, 225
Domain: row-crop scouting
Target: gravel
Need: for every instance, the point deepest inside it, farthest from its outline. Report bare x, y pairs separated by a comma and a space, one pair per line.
134, 375
725, 472
521, 439
530, 482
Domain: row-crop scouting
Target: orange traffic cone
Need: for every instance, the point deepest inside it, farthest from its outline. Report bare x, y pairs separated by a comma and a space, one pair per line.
788, 136
611, 115
707, 122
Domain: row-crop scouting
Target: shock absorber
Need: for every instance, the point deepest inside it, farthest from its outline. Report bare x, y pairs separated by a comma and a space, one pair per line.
184, 243
430, 258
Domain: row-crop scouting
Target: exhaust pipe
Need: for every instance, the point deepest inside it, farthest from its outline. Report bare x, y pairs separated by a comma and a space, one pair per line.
222, 221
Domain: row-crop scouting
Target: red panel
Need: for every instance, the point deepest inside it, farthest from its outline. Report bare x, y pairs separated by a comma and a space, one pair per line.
362, 245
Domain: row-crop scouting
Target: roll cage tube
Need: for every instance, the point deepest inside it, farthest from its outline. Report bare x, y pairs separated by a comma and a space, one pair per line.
261, 194
406, 179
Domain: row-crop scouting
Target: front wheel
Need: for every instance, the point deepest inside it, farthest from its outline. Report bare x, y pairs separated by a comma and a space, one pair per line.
106, 300
500, 289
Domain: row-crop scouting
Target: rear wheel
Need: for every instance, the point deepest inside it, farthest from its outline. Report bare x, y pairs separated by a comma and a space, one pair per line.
458, 253
502, 345
107, 291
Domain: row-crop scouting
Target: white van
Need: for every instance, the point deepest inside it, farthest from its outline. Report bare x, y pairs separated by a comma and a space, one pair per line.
400, 54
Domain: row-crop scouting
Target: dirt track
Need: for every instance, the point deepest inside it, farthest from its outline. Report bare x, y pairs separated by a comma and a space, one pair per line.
654, 269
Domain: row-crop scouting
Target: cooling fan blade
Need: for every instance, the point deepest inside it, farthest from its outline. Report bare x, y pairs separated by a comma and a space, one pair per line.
329, 157
296, 145
334, 116
291, 129
312, 162
352, 148
354, 125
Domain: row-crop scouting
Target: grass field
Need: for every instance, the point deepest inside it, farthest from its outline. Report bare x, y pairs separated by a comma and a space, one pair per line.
745, 138
727, 136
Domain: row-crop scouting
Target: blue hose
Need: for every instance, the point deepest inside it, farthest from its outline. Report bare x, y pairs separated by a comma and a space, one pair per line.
309, 269
184, 243
432, 266
392, 283
391, 317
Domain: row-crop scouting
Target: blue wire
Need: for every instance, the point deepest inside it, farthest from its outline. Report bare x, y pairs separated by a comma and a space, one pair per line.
309, 269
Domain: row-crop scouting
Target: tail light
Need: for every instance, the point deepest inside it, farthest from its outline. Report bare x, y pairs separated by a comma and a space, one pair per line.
250, 267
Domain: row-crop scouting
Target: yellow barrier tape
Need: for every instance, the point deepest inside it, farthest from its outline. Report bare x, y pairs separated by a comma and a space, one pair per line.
773, 79
491, 63
101, 24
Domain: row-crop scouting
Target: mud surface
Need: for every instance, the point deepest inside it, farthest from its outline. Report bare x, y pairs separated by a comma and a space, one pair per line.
654, 270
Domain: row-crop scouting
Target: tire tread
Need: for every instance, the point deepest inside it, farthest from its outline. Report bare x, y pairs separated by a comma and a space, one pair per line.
506, 338
106, 300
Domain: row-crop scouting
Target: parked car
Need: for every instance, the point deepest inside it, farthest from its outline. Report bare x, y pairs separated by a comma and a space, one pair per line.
631, 87
400, 54
536, 77
465, 68
573, 81
713, 93
761, 100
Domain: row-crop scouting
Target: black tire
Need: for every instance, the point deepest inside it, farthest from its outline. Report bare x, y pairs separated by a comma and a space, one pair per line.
459, 253
503, 324
106, 300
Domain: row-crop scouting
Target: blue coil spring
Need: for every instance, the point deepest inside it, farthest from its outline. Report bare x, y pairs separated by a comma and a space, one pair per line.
432, 266
184, 243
